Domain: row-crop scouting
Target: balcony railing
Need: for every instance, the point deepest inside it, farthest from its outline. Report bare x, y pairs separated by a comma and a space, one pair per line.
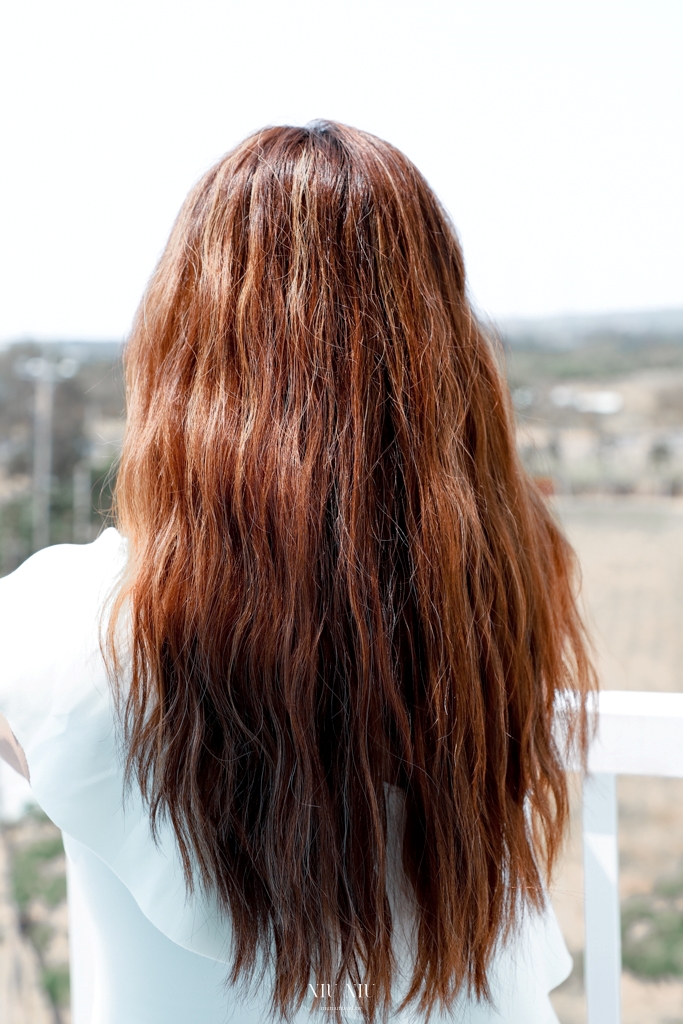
638, 734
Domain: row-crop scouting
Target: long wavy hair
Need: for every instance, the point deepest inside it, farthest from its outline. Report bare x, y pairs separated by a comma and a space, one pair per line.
340, 577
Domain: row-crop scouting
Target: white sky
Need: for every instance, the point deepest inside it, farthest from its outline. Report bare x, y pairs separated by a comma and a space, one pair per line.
552, 130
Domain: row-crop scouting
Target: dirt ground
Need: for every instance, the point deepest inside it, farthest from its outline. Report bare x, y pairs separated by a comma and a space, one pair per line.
631, 555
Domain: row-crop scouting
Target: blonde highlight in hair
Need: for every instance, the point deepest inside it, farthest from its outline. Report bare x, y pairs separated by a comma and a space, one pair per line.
341, 576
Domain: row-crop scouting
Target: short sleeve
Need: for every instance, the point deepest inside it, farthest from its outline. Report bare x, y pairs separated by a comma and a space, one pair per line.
48, 624
56, 696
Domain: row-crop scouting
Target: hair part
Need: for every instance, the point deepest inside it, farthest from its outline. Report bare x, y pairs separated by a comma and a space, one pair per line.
340, 577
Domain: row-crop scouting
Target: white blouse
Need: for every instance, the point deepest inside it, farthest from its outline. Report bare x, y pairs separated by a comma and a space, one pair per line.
142, 950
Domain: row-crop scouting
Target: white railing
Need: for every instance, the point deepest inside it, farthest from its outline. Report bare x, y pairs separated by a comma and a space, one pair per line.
638, 734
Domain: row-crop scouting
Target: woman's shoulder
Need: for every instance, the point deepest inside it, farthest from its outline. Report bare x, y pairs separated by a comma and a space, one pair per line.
64, 569
50, 611
48, 595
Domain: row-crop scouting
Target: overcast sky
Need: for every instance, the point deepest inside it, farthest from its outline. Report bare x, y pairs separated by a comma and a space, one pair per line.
551, 130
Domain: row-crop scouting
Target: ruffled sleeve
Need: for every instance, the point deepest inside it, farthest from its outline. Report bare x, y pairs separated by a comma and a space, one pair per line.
55, 695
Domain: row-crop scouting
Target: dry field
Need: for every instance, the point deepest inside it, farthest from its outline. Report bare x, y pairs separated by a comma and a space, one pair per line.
631, 554
34, 953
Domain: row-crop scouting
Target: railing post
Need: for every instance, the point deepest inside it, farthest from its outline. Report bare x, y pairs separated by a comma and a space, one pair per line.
603, 928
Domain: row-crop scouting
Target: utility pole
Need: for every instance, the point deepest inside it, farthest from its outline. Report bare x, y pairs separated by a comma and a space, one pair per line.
43, 405
45, 373
82, 501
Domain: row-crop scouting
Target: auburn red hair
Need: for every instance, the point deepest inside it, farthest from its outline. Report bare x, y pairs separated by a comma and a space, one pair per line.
340, 576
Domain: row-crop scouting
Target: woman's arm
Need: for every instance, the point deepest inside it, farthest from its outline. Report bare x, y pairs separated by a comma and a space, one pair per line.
10, 750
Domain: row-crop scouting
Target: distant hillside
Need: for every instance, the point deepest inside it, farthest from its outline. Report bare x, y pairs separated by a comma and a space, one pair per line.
628, 330
596, 347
